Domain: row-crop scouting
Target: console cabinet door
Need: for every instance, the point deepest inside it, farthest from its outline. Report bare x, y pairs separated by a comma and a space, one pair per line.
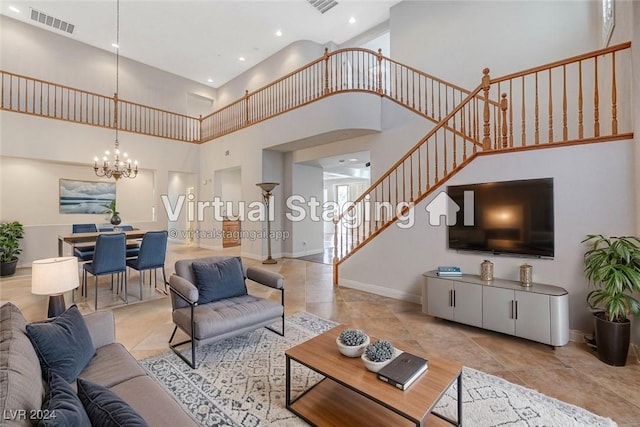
533, 317
498, 306
440, 298
467, 309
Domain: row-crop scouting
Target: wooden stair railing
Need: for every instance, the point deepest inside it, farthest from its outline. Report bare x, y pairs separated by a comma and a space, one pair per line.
540, 107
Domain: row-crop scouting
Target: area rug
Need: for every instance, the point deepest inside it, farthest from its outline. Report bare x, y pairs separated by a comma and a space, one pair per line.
241, 382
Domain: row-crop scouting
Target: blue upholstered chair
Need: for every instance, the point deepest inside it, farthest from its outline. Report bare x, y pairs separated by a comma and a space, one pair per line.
132, 248
83, 252
109, 258
153, 251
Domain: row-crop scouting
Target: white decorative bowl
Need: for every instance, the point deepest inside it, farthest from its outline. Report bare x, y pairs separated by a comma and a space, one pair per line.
376, 366
352, 350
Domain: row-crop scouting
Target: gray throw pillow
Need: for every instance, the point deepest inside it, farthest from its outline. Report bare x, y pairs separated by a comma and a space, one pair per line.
63, 344
62, 406
219, 280
105, 408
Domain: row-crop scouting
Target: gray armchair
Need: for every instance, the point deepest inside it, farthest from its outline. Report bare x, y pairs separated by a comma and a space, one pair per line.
223, 318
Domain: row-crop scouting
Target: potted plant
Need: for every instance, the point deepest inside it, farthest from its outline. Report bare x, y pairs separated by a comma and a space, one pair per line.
612, 266
111, 210
352, 342
378, 354
10, 235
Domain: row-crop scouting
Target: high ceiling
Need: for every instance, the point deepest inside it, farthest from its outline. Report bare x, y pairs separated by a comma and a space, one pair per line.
203, 40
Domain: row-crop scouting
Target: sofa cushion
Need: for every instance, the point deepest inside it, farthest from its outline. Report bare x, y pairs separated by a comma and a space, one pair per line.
219, 280
112, 365
63, 344
105, 408
153, 403
21, 385
62, 406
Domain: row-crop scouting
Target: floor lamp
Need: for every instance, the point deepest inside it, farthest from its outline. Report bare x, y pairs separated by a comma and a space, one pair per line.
53, 277
267, 187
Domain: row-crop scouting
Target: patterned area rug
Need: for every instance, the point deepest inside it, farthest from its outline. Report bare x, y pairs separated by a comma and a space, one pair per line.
240, 382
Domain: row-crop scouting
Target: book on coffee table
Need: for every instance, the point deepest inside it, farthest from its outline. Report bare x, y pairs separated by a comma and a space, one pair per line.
402, 371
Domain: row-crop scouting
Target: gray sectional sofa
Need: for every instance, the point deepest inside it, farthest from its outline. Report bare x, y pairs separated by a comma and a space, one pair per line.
22, 387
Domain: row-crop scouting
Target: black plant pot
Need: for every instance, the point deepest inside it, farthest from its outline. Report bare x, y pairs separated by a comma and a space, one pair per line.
8, 268
612, 340
115, 220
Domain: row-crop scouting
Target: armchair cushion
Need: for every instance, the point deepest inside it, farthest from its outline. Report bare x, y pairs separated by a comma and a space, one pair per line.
219, 280
63, 345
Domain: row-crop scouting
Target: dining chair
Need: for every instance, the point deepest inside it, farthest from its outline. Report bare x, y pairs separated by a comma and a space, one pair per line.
132, 248
84, 252
153, 251
109, 258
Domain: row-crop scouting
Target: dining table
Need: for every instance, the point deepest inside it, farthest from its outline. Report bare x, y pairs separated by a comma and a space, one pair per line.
75, 238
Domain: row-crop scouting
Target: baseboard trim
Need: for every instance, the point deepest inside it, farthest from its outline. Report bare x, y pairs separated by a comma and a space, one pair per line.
576, 335
380, 290
302, 253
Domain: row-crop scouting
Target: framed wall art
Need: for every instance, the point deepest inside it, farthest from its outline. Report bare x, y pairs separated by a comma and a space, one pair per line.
85, 197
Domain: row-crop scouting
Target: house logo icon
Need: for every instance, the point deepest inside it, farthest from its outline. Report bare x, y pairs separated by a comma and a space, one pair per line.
444, 206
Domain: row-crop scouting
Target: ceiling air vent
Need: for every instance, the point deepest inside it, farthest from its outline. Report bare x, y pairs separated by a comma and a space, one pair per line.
50, 21
322, 5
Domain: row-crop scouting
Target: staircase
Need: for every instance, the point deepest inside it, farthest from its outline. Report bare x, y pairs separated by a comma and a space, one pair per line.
574, 101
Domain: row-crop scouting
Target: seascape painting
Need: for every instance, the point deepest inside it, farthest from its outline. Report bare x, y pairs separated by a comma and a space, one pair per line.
85, 197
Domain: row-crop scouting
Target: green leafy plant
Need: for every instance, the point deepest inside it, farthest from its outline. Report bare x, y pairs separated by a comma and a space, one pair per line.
379, 351
353, 337
612, 266
111, 208
10, 235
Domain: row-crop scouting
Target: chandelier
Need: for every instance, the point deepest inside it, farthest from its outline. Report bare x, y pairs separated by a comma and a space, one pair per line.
116, 165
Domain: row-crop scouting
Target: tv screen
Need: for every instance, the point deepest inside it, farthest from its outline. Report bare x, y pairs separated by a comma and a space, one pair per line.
510, 217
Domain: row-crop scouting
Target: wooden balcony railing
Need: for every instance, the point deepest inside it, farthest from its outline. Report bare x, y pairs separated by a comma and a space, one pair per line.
345, 70
27, 95
566, 102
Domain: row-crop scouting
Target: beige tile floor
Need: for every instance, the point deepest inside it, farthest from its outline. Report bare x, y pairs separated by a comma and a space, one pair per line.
571, 373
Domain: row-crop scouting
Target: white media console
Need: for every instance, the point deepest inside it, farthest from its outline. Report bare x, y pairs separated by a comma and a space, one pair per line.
537, 312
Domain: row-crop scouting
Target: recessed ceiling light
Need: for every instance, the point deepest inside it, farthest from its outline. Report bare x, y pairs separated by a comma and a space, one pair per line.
116, 45
352, 20
241, 58
353, 160
279, 33
210, 80
14, 9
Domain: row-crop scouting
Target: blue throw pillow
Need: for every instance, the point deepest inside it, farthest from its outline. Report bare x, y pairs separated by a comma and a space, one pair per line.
105, 408
62, 406
63, 344
219, 280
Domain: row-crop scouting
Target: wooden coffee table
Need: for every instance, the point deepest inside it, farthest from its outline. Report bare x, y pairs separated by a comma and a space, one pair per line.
351, 395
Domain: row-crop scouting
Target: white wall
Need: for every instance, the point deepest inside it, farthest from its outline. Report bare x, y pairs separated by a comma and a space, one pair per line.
307, 234
38, 53
455, 40
178, 182
278, 65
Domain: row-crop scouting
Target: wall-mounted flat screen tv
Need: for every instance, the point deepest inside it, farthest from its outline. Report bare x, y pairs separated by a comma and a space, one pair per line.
509, 217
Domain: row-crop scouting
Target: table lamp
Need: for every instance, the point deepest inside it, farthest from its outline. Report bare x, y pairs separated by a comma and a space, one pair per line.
53, 277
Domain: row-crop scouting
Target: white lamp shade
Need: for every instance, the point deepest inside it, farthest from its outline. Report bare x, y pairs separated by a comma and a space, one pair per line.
53, 276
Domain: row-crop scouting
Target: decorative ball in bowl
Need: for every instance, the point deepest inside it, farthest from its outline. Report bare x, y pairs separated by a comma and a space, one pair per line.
378, 354
352, 342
